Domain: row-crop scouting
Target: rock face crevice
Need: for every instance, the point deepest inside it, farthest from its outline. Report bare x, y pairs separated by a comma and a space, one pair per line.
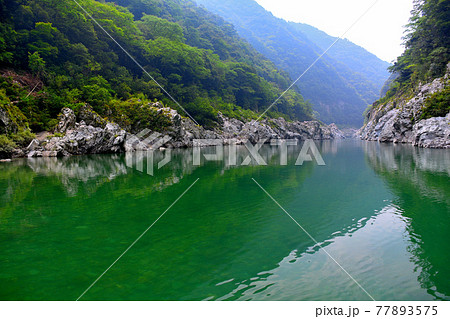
399, 121
90, 134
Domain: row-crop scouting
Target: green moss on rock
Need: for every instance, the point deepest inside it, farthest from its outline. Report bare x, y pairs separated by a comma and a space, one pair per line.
12, 119
437, 104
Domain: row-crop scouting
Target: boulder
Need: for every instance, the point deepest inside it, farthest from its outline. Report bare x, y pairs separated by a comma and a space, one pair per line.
93, 134
336, 133
237, 131
67, 120
49, 154
432, 133
399, 121
81, 138
33, 145
34, 154
90, 117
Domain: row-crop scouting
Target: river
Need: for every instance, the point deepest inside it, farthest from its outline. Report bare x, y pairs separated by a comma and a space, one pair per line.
377, 218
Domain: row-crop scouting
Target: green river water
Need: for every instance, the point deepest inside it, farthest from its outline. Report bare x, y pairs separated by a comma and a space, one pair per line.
381, 211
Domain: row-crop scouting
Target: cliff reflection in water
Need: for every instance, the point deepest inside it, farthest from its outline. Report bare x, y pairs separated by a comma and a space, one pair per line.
83, 211
86, 173
63, 221
420, 180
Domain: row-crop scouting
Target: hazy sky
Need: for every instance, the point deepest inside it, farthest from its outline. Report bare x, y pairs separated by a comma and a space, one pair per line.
380, 31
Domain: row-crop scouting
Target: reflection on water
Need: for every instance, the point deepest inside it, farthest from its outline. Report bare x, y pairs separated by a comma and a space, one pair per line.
381, 211
420, 180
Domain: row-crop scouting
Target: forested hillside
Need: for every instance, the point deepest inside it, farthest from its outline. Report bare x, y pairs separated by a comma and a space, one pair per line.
53, 55
340, 85
416, 107
367, 73
427, 53
427, 45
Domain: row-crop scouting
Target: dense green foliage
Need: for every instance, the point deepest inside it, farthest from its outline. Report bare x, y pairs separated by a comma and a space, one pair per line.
427, 43
136, 114
36, 111
15, 116
7, 145
437, 105
17, 132
340, 85
426, 55
197, 57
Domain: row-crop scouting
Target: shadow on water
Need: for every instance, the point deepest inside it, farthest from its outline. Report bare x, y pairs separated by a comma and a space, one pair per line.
420, 180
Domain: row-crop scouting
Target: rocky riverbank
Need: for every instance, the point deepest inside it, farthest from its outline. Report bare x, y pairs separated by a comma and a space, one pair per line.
88, 133
399, 121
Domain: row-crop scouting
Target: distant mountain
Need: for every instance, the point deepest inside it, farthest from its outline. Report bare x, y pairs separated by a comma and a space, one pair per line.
350, 56
340, 86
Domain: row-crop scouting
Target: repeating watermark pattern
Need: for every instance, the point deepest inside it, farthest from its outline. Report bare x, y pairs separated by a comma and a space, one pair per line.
149, 153
308, 151
144, 151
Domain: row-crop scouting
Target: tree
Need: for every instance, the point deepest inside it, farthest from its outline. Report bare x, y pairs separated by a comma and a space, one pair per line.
36, 63
427, 42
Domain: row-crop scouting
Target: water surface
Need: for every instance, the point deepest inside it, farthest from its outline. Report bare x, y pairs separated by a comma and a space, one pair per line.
381, 211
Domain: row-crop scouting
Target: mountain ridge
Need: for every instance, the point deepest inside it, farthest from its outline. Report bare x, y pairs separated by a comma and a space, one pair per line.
364, 63
337, 91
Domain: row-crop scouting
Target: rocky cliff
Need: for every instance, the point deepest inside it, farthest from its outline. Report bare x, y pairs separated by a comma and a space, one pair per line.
399, 120
88, 133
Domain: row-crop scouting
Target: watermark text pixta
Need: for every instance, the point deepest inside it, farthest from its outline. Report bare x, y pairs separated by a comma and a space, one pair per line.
233, 155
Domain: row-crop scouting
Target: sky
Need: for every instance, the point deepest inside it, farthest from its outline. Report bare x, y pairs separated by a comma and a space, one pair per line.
379, 31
